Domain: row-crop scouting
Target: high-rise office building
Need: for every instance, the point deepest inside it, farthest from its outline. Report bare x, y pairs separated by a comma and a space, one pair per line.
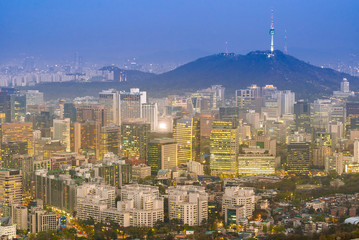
91, 112
302, 115
109, 98
130, 104
113, 171
70, 111
219, 94
8, 150
10, 187
134, 139
186, 131
18, 107
320, 114
249, 98
288, 100
224, 142
150, 114
5, 105
319, 154
298, 160
110, 140
62, 132
188, 204
18, 132
85, 137
162, 154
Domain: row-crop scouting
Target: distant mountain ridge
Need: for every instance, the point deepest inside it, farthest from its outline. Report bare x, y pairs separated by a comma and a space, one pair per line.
233, 71
239, 71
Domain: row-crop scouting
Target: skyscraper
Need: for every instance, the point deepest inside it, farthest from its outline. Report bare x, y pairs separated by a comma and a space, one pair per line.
91, 112
18, 107
186, 131
320, 114
70, 111
110, 140
18, 132
109, 98
10, 186
298, 160
224, 142
85, 137
134, 139
5, 105
302, 115
8, 150
162, 154
288, 100
249, 98
150, 114
62, 132
130, 106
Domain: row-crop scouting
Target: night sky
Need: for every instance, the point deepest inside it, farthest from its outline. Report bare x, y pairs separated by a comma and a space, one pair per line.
109, 30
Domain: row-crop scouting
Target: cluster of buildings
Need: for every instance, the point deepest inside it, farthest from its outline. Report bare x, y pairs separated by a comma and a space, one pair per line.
105, 157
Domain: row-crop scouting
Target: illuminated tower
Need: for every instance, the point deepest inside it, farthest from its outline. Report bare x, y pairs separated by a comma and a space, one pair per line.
271, 33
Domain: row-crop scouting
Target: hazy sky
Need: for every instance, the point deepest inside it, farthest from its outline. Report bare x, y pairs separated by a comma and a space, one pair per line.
106, 30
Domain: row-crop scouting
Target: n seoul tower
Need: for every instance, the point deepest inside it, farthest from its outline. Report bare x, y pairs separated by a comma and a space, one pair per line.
271, 33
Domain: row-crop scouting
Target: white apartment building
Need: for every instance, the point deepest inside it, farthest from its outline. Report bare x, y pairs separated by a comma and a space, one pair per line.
239, 196
92, 199
143, 203
188, 203
19, 215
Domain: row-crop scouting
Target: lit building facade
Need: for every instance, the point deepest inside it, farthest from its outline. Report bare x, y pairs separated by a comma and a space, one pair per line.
298, 160
162, 154
134, 139
224, 142
187, 134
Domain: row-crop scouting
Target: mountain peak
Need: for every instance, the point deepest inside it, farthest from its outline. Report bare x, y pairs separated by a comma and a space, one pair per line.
236, 71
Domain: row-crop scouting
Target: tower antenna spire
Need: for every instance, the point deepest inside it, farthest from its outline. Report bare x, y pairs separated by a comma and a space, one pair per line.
271, 33
285, 42
226, 47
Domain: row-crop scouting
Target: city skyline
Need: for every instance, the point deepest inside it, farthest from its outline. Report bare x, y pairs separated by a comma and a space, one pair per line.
215, 120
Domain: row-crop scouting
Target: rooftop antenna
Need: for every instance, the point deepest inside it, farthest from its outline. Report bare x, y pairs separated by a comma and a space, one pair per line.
285, 42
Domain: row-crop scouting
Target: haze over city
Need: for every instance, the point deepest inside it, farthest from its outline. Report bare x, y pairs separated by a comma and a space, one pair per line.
179, 120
